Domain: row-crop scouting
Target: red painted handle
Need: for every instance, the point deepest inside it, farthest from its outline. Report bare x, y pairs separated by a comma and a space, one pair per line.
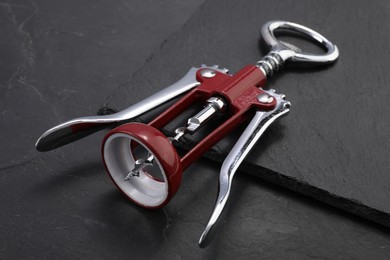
120, 145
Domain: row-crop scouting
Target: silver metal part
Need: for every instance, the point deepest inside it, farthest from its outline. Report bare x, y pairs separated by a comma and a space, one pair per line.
214, 105
282, 52
208, 73
140, 165
265, 98
78, 128
216, 67
179, 133
260, 122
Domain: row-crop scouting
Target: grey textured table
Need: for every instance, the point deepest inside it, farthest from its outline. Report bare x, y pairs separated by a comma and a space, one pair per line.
63, 60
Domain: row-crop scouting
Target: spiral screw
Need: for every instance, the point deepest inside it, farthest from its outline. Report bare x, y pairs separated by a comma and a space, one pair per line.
270, 63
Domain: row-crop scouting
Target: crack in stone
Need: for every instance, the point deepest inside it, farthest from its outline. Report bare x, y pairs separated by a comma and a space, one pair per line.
18, 164
24, 69
28, 85
165, 229
41, 97
27, 50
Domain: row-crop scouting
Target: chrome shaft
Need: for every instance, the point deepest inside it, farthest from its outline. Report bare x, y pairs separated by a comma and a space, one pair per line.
214, 106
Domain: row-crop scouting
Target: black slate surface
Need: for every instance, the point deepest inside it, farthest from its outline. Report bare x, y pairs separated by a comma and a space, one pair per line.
61, 59
334, 144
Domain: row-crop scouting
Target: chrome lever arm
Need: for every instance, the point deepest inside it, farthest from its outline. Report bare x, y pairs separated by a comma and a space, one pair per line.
260, 122
81, 127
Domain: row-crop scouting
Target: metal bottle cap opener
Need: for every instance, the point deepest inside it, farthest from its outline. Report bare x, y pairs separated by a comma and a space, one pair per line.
144, 164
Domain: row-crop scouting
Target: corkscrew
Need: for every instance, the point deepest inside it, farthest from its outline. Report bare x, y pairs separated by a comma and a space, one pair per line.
144, 163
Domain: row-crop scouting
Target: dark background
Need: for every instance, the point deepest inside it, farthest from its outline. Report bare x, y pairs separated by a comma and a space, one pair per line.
64, 59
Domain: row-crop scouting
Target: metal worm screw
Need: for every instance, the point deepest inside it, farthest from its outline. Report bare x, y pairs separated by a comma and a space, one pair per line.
270, 63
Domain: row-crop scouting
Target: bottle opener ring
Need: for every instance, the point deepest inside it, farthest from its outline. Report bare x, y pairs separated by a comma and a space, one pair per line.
144, 164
